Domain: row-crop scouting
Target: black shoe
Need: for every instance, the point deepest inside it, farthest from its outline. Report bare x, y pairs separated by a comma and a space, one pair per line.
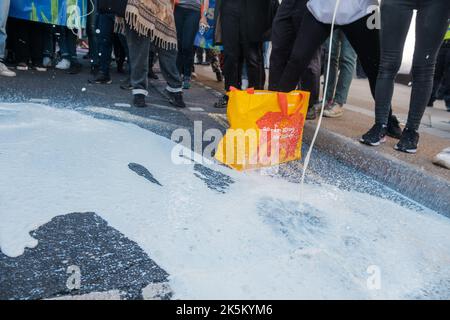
139, 101
311, 114
152, 75
219, 76
393, 129
408, 142
176, 99
126, 86
75, 68
222, 103
102, 79
375, 136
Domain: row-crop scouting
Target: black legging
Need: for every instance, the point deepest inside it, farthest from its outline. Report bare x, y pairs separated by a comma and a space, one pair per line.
432, 22
313, 33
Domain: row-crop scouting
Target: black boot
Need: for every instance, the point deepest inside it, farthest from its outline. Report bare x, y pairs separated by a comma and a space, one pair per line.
176, 99
139, 101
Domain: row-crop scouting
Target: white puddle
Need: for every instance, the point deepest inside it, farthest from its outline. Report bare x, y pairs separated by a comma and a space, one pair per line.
247, 243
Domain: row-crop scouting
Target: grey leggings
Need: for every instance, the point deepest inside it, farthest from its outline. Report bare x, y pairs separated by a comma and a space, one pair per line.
431, 25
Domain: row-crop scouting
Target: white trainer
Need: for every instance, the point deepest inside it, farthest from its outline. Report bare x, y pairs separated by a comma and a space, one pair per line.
64, 64
4, 71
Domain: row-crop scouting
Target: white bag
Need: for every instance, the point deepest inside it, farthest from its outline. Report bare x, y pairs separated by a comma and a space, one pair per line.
349, 10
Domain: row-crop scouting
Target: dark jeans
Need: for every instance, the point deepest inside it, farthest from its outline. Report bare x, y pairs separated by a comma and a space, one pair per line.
238, 49
29, 41
441, 83
432, 23
187, 23
105, 41
68, 44
284, 32
139, 49
312, 34
91, 27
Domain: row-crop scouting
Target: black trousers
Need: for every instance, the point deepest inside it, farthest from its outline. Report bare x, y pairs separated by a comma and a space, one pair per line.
432, 23
237, 49
285, 29
442, 75
29, 41
312, 34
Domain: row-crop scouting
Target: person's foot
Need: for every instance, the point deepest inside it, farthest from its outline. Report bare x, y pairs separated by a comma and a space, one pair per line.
443, 158
219, 76
139, 101
333, 110
408, 142
64, 64
152, 75
75, 68
126, 86
222, 103
393, 129
186, 84
375, 136
311, 114
176, 99
101, 79
22, 66
47, 62
5, 72
39, 68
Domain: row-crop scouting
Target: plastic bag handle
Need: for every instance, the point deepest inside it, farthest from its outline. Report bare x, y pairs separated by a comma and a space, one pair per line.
283, 103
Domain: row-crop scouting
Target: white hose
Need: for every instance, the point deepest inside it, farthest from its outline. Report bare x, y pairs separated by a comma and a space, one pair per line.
319, 123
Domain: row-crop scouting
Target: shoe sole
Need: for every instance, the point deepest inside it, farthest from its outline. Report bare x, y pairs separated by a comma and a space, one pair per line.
410, 151
373, 144
100, 82
331, 115
22, 68
9, 75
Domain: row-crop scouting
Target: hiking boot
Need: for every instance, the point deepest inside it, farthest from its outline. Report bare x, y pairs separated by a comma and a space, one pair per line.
139, 101
4, 71
222, 103
311, 114
408, 142
375, 136
102, 79
176, 99
333, 110
393, 129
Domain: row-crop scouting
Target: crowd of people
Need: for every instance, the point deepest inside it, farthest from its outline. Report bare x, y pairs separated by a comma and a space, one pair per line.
140, 31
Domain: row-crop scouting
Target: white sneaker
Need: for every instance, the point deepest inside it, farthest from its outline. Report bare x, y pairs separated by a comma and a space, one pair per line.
47, 62
443, 158
64, 64
334, 110
4, 71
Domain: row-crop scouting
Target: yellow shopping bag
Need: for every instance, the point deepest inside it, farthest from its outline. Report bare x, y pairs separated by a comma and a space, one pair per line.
266, 128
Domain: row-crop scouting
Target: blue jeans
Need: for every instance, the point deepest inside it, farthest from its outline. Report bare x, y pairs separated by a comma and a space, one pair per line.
4, 10
343, 64
187, 23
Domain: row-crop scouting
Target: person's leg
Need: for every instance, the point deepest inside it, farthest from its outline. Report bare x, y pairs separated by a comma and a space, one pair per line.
395, 22
179, 15
253, 53
91, 30
37, 43
446, 81
169, 70
231, 43
334, 64
139, 48
438, 76
310, 79
105, 41
22, 43
432, 23
191, 27
311, 35
283, 37
4, 10
48, 42
347, 65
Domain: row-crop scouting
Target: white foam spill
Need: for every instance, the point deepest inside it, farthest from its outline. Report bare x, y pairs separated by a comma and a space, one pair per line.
250, 242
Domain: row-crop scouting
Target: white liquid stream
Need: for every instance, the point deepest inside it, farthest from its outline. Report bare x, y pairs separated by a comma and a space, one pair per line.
248, 243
